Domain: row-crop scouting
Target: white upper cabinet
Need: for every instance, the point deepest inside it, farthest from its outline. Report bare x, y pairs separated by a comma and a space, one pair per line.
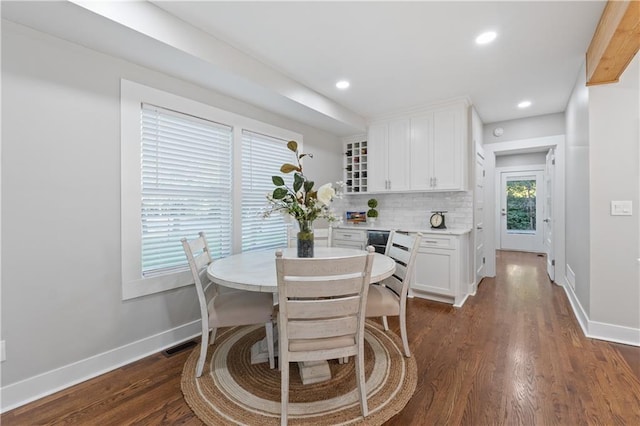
421, 151
438, 140
389, 155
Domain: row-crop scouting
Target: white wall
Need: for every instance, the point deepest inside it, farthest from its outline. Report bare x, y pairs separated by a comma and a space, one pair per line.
603, 135
61, 294
526, 128
515, 160
614, 141
577, 191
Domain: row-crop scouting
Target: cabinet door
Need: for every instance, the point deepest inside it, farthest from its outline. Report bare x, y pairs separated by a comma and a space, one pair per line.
377, 157
448, 139
398, 155
349, 244
421, 155
434, 271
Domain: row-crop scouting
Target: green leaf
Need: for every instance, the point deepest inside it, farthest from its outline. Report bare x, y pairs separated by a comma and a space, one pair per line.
308, 185
279, 193
298, 180
277, 180
288, 168
293, 146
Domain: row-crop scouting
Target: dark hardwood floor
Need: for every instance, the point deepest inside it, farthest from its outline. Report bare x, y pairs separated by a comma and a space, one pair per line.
513, 355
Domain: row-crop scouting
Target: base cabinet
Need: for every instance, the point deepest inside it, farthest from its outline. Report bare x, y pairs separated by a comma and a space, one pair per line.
441, 271
348, 238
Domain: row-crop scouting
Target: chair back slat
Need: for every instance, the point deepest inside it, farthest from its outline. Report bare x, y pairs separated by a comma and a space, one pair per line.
399, 254
323, 328
403, 240
317, 267
325, 308
325, 287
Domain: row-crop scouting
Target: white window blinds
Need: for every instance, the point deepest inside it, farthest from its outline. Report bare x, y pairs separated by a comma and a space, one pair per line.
186, 186
262, 157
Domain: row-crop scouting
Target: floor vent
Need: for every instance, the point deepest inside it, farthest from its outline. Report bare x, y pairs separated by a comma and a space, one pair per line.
179, 348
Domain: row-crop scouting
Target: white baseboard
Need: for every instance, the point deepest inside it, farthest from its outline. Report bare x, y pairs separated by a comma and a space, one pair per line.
460, 301
600, 330
28, 390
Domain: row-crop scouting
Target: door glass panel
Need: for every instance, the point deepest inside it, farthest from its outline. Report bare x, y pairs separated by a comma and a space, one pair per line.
521, 206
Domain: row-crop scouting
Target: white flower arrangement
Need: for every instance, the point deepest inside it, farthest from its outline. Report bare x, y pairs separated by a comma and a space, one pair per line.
301, 201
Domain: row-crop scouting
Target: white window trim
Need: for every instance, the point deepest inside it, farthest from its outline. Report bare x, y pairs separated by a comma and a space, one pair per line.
132, 95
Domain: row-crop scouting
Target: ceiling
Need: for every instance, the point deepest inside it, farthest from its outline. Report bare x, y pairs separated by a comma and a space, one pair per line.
287, 56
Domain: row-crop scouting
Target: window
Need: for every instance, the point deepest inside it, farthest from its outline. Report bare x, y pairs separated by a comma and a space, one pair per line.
182, 172
262, 157
521, 206
186, 186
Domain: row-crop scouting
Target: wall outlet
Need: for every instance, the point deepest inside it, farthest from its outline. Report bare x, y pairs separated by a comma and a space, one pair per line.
3, 352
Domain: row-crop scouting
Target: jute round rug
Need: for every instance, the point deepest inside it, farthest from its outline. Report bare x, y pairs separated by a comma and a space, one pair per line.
232, 391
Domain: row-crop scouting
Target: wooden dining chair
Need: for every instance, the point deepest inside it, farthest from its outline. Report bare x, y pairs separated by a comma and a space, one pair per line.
224, 309
389, 297
321, 315
321, 236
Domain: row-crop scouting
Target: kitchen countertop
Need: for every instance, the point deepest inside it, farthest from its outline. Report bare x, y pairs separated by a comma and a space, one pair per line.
367, 227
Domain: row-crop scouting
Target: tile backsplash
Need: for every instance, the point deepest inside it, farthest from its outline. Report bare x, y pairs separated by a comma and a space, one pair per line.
412, 210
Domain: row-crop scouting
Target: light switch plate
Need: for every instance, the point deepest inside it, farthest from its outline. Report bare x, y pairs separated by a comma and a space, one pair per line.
621, 208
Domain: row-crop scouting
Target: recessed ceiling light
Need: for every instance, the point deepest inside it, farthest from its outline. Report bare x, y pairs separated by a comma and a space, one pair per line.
487, 37
343, 84
524, 104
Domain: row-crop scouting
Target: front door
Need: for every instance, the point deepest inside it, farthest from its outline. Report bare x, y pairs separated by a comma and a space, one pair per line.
549, 173
521, 211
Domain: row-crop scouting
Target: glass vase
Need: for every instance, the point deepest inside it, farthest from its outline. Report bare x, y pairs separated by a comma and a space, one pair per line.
305, 238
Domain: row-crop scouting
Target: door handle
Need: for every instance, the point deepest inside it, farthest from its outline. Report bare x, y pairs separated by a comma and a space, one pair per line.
503, 214
547, 220
479, 227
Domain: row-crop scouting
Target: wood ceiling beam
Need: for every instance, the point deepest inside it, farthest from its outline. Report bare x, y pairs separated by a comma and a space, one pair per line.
615, 42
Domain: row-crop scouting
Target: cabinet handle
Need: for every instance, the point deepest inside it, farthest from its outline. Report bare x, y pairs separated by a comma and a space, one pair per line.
430, 181
389, 185
435, 181
430, 242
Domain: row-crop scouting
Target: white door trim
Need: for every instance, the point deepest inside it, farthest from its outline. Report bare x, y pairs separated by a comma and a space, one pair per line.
520, 146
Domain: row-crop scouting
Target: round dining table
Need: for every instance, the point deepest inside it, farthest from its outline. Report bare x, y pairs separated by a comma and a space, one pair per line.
256, 271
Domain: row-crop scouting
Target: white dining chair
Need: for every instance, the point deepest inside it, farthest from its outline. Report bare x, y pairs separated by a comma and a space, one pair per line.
321, 236
321, 317
389, 297
224, 309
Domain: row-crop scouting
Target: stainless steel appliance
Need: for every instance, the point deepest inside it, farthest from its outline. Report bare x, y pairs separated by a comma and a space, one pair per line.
378, 239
